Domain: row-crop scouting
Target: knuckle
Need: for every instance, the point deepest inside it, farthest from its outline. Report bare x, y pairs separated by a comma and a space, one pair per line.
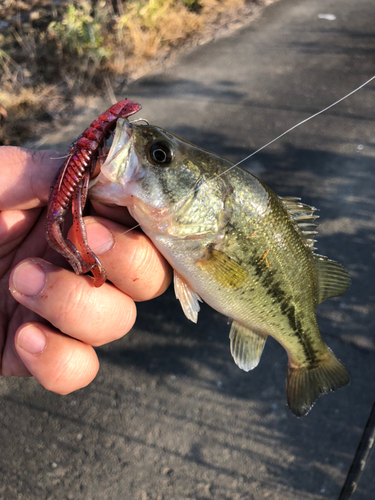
75, 305
147, 267
94, 315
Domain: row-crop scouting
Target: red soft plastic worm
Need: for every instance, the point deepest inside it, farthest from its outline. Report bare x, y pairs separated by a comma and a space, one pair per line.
71, 188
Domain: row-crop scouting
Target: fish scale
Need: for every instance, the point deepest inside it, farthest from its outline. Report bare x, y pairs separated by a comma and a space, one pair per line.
235, 244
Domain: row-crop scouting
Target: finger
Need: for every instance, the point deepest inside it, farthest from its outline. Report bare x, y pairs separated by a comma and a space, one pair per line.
115, 213
14, 224
61, 364
71, 303
131, 261
11, 364
26, 176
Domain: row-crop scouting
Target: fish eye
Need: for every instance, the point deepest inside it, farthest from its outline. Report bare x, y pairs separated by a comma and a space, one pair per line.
161, 153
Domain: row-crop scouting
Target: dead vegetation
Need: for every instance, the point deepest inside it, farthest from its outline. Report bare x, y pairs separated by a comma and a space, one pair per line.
53, 51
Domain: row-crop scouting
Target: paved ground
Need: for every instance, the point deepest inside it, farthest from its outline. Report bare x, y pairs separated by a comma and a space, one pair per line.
170, 416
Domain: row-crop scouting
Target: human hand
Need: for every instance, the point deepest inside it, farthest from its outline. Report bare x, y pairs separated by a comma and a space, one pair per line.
49, 317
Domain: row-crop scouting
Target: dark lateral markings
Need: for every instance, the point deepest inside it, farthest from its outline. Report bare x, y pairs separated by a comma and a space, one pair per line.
273, 289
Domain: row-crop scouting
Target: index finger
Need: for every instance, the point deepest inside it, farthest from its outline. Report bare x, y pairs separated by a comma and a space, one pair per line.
26, 176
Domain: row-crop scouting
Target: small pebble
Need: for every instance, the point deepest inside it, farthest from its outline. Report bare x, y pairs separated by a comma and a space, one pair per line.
327, 17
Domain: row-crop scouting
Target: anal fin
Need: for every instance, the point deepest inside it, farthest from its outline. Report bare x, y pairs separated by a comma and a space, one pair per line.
305, 384
189, 299
246, 346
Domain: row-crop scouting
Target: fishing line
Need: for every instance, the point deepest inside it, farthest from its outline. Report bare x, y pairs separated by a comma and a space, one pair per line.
121, 234
131, 229
116, 237
59, 157
294, 127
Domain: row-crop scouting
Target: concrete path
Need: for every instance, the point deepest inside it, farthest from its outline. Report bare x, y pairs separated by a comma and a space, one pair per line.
170, 416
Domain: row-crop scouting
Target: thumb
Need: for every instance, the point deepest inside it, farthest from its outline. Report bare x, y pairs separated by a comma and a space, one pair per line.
26, 176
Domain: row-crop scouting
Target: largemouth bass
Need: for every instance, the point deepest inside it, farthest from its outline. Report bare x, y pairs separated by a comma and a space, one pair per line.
235, 244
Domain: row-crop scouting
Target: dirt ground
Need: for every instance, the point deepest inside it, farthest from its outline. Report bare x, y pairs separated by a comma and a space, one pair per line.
170, 416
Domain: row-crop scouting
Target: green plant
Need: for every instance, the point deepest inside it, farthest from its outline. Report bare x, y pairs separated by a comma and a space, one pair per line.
80, 30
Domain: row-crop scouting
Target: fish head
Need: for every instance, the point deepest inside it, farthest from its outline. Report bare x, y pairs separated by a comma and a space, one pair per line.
154, 173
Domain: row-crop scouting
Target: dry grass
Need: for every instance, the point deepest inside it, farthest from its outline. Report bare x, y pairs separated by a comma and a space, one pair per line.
50, 53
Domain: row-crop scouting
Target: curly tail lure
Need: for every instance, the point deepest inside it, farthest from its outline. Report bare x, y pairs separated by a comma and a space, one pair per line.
71, 188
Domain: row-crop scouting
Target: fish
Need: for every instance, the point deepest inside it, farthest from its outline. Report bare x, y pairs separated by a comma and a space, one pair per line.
234, 244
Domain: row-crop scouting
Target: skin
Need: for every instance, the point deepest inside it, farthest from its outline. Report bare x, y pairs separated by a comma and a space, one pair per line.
50, 318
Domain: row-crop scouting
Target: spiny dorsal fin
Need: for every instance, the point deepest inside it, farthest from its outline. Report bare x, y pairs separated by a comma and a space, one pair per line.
189, 299
333, 278
246, 346
303, 216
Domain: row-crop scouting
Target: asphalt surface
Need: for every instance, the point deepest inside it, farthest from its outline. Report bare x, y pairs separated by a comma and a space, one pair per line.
170, 416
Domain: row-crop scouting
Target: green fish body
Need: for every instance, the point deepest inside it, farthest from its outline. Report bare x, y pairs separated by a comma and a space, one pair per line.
235, 244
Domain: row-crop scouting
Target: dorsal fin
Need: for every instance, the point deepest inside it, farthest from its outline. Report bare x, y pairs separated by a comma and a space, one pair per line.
333, 278
303, 216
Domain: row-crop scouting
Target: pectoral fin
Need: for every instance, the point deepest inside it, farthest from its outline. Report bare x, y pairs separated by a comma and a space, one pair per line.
246, 346
223, 269
189, 299
333, 278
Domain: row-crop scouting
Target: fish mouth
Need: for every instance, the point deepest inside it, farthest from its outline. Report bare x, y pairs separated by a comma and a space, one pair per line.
120, 169
122, 163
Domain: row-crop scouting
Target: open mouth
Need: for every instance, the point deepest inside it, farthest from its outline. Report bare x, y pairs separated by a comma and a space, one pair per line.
122, 163
121, 159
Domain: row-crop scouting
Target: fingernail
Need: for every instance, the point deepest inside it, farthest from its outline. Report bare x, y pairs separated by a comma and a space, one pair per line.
31, 339
99, 238
29, 278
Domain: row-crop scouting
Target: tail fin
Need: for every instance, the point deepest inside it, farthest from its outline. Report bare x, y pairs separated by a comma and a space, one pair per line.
305, 384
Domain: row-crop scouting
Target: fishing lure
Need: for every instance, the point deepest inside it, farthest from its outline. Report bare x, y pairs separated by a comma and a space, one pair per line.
71, 188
